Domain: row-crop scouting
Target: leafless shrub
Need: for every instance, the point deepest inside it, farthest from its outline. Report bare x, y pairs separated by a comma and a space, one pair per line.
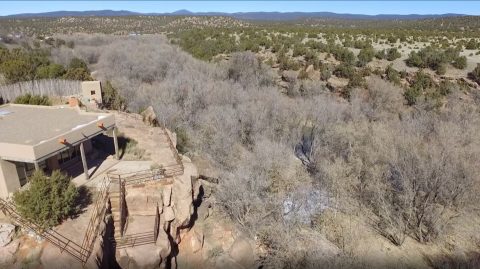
410, 170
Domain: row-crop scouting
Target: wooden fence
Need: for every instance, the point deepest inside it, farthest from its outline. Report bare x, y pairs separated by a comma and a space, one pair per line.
57, 87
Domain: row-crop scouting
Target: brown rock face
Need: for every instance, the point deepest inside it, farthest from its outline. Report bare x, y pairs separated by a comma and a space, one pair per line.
197, 240
167, 194
168, 212
163, 244
182, 195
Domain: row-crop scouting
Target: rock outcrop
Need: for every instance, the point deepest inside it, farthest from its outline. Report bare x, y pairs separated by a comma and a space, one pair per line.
242, 252
149, 116
6, 233
7, 252
143, 201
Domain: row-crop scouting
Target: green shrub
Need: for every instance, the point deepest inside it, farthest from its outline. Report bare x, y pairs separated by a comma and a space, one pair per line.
411, 94
299, 50
365, 71
365, 55
48, 200
381, 54
78, 63
460, 62
393, 54
182, 140
325, 75
77, 74
442, 69
303, 74
344, 71
51, 71
475, 74
392, 74
111, 98
471, 45
28, 99
71, 44
392, 39
357, 81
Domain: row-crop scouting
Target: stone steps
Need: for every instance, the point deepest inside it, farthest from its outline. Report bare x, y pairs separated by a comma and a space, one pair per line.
114, 197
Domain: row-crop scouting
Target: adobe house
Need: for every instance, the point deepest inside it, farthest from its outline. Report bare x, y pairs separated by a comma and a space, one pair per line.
92, 90
46, 138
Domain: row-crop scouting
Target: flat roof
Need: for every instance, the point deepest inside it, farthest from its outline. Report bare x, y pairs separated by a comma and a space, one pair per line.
30, 124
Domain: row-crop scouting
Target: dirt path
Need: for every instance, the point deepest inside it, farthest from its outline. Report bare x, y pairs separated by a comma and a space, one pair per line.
152, 139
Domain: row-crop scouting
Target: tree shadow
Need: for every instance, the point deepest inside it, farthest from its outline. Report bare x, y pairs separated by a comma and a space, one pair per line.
84, 199
105, 143
122, 145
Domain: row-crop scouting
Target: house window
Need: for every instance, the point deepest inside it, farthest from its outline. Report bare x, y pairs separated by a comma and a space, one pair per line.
92, 92
71, 153
25, 170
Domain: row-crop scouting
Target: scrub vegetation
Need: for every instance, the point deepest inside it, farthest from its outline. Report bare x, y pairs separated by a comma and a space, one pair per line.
312, 128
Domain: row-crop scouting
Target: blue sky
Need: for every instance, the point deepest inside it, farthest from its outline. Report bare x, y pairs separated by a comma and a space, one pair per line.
357, 7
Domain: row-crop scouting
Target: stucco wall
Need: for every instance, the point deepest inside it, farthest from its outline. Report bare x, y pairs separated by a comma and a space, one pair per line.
92, 86
9, 181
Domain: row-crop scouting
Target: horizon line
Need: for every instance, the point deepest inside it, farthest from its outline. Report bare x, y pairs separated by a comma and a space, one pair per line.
142, 13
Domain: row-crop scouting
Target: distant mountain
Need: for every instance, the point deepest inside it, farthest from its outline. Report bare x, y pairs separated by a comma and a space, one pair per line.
63, 13
238, 15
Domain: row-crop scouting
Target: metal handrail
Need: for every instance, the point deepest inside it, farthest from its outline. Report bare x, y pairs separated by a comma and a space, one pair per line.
97, 215
58, 240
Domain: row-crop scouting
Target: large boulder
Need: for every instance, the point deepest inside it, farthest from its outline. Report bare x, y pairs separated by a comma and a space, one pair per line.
139, 257
310, 71
242, 252
149, 116
182, 197
163, 244
6, 233
289, 75
225, 261
202, 211
7, 253
143, 201
167, 194
196, 240
208, 187
196, 187
169, 214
